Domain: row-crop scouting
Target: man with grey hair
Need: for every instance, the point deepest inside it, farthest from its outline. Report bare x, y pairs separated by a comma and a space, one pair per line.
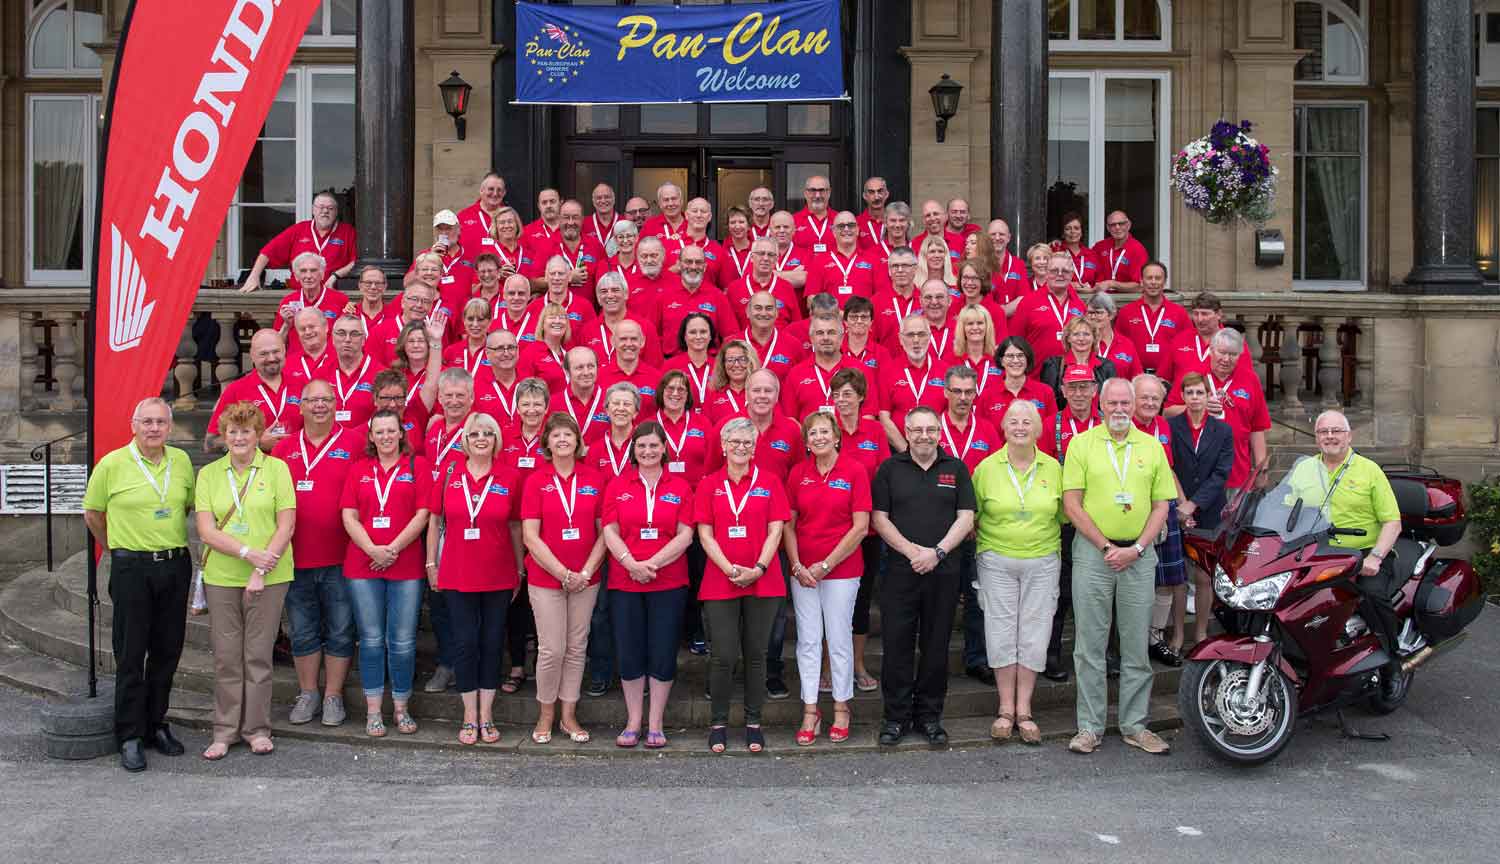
872, 219
691, 293
1234, 396
636, 211
898, 297
763, 276
1117, 485
312, 292
1041, 315
323, 234
668, 223
583, 399
136, 507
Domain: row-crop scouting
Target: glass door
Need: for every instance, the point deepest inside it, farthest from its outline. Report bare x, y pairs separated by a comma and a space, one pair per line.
732, 179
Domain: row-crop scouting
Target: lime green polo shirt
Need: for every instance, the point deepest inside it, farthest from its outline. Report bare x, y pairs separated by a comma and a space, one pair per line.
136, 516
1363, 499
1148, 479
269, 492
1011, 525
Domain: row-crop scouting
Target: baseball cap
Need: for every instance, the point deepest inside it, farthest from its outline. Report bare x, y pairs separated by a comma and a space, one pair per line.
1076, 374
444, 217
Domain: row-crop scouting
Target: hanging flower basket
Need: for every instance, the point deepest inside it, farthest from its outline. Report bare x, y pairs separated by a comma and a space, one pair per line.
1227, 176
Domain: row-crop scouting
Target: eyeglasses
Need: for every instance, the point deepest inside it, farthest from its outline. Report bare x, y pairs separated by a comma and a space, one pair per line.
501, 348
1116, 224
736, 361
637, 210
317, 400
1011, 355
844, 226
151, 422
922, 431
1324, 432
816, 190
389, 397
739, 444
896, 265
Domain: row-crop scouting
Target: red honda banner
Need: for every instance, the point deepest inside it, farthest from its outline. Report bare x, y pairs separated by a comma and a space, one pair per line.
191, 90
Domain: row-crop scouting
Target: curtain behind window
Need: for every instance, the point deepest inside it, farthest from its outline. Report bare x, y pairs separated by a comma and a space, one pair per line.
59, 150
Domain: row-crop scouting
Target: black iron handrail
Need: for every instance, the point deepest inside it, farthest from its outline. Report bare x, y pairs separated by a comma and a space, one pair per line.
43, 453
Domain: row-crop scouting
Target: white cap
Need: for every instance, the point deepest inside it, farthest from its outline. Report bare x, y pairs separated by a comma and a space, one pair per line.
444, 217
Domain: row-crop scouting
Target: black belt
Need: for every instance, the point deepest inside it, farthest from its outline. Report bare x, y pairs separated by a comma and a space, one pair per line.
1124, 544
159, 555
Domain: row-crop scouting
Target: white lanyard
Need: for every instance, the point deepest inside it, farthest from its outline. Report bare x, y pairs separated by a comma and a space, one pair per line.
626, 271
616, 465
485, 221
584, 423
700, 383
448, 265
1016, 484
1120, 470
671, 233
338, 382
733, 405
681, 442
822, 385
781, 265
983, 372
884, 247
600, 230
1078, 264
500, 252
508, 407
739, 266
842, 269
1103, 350
471, 366
916, 389
1202, 352
604, 339
234, 492
416, 385
737, 509
1114, 263
443, 453
166, 480
280, 406
1323, 477
1146, 321
948, 434
320, 246
911, 304
309, 464
770, 349
318, 303
1219, 392
557, 355
562, 246
650, 499
1005, 265
1059, 311
813, 226
759, 231
570, 501
939, 343
384, 495
1073, 425
1038, 285
517, 329
475, 503
319, 365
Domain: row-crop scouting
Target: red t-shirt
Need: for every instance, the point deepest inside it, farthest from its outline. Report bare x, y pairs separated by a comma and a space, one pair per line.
278, 407
548, 499
1123, 354
625, 504
811, 234
645, 378
407, 488
714, 259
1060, 429
1157, 429
523, 455
477, 553
495, 399
723, 404
644, 297
788, 306
905, 386
698, 376
354, 395
330, 300
1011, 279
319, 540
867, 444
658, 226
677, 303
736, 262
761, 500
544, 363
576, 304
1086, 269
460, 355
443, 445
607, 459
1153, 330
1123, 264
415, 414
1191, 353
843, 276
687, 445
970, 444
825, 505
589, 414
776, 450
1244, 410
338, 246
1040, 318
474, 229
805, 388
890, 310
304, 369
996, 398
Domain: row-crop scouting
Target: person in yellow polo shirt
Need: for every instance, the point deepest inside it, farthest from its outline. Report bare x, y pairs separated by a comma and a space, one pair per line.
1019, 493
246, 512
136, 506
1116, 489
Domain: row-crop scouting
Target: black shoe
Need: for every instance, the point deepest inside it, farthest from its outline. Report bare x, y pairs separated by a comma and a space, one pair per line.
698, 647
982, 674
597, 687
776, 688
891, 733
1056, 673
937, 736
1162, 653
164, 742
133, 755
1112, 666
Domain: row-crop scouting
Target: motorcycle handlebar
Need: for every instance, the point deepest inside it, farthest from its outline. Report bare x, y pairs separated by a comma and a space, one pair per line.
1345, 532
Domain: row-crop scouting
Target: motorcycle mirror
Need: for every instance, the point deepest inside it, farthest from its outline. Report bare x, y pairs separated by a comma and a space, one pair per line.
1291, 521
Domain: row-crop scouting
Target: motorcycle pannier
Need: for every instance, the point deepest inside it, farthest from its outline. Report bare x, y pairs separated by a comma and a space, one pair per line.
1431, 505
1448, 599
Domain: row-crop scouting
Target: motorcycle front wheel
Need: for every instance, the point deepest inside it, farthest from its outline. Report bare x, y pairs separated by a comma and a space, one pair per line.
1239, 730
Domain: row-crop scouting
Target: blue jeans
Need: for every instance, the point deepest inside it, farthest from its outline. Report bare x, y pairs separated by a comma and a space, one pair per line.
387, 612
647, 626
601, 650
442, 628
975, 653
317, 603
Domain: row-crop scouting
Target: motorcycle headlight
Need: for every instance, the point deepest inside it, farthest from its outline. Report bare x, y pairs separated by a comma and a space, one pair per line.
1258, 597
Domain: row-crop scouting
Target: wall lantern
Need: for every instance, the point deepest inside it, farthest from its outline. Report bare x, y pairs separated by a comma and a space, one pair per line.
1270, 247
945, 103
456, 92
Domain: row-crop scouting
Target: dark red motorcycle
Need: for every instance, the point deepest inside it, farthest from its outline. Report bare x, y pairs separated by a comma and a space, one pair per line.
1295, 642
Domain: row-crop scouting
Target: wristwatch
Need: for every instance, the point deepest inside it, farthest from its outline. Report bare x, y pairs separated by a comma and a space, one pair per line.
761, 567
1139, 549
940, 552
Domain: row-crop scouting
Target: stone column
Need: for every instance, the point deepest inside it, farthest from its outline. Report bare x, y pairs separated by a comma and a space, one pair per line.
1291, 363
1018, 116
385, 107
1331, 364
1442, 172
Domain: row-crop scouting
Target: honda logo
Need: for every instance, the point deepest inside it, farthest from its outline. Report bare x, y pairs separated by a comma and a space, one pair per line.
128, 311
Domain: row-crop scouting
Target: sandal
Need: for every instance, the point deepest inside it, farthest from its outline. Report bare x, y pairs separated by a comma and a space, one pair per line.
513, 683
262, 746
755, 739
806, 737
628, 739
1000, 730
1030, 732
375, 726
837, 733
655, 740
578, 736
216, 751
468, 734
540, 737
404, 724
718, 739
488, 733
866, 683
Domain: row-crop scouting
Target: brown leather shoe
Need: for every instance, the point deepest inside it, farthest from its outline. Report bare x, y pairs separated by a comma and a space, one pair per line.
1148, 741
1085, 742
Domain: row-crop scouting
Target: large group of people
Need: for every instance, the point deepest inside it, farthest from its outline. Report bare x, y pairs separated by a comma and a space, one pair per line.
619, 435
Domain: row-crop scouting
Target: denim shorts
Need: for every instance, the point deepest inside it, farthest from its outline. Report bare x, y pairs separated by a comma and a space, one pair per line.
321, 614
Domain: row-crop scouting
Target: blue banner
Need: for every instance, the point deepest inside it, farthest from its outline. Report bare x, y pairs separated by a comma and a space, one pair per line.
759, 52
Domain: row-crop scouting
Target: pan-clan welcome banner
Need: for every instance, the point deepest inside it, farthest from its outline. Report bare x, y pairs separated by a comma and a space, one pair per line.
760, 52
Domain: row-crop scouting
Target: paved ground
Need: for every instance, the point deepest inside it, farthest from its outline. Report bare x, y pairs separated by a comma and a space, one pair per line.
1429, 794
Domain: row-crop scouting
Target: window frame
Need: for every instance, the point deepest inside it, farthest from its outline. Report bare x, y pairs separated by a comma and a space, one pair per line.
1162, 250
324, 38
235, 258
1119, 43
66, 278
1340, 285
33, 19
1361, 29
1483, 105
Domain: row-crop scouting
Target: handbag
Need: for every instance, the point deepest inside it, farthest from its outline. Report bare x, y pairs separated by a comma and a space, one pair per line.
199, 602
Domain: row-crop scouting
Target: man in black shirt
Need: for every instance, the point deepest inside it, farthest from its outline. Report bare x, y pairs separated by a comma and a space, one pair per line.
924, 508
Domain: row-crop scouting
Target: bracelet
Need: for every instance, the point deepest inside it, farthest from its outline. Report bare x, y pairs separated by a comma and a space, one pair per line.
761, 567
244, 552
431, 563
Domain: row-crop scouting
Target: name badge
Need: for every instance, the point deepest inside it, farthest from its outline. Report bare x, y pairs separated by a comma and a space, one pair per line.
820, 248
1059, 336
846, 290
738, 532
648, 533
162, 514
448, 280
1124, 498
342, 416
826, 409
304, 485
1023, 515
486, 241
471, 533
570, 534
526, 462
278, 429
380, 521
677, 467
1153, 348
239, 528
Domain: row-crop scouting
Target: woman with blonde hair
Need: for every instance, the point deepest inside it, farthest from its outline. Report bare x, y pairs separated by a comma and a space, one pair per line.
934, 261
733, 367
547, 357
506, 229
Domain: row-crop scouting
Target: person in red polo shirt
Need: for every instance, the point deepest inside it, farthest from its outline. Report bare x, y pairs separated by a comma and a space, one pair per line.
371, 305
811, 232
352, 374
697, 215
313, 359
600, 225
600, 334
669, 222
652, 281
1109, 343
636, 211
561, 511
792, 261
764, 277
1078, 415
1235, 396
1191, 352
312, 292
513, 314
775, 349
1041, 315
559, 291
911, 381
1009, 275
736, 245
456, 282
692, 295
266, 388
778, 441
896, 234
899, 298
477, 569
583, 399
1152, 322
843, 270
476, 222
1086, 269
383, 505
626, 366
444, 441
322, 619
808, 387
958, 227
761, 203
514, 256
1120, 256
969, 438
1015, 358
496, 380
585, 257
740, 512
872, 219
541, 234
934, 224
936, 305
323, 235
648, 527
859, 342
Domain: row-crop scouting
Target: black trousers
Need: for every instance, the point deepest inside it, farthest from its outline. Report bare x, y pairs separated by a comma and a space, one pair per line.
478, 637
916, 619
149, 622
1375, 596
1064, 601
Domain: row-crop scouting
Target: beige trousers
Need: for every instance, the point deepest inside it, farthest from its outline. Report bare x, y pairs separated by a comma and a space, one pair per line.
562, 640
244, 635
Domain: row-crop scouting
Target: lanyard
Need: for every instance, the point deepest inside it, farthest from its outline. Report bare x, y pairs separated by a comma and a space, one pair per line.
609, 352
911, 303
443, 453
671, 232
770, 348
948, 434
318, 365
166, 479
500, 252
471, 366
1151, 328
813, 226
616, 465
983, 371
338, 381
884, 247
517, 329
234, 492
939, 343
626, 271
382, 495
1073, 424
415, 386
570, 501
681, 442
1005, 265
1078, 264
916, 390
1219, 392
475, 503
588, 418
781, 266
309, 464
737, 509
1201, 352
1102, 351
1016, 484
562, 246
739, 266
485, 221
1323, 475
1196, 432
700, 383
280, 406
448, 265
822, 385
650, 499
318, 303
842, 269
508, 407
601, 230
1120, 470
759, 231
319, 246
733, 405
1114, 263
1059, 311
